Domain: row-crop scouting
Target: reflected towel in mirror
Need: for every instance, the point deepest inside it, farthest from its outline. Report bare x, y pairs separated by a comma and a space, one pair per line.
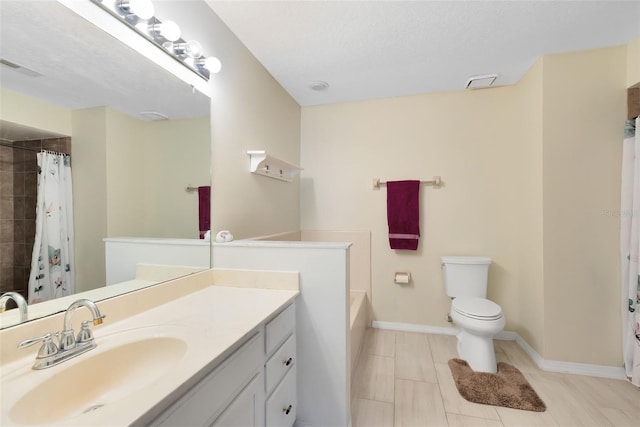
204, 209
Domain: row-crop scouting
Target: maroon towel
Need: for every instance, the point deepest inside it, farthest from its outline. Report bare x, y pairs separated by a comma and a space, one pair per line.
403, 214
204, 209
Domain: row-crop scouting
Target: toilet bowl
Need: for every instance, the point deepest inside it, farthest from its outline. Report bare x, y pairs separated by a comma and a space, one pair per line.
479, 320
465, 280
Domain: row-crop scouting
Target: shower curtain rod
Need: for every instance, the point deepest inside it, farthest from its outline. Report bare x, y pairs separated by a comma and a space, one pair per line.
4, 144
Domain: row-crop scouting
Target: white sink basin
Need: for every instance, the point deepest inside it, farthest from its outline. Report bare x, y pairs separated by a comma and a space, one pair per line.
96, 378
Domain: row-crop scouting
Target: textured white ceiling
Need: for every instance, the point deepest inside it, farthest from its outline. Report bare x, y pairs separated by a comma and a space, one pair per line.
375, 49
363, 49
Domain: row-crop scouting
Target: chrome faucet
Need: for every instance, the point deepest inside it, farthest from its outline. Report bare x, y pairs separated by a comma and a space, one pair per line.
70, 346
68, 340
19, 300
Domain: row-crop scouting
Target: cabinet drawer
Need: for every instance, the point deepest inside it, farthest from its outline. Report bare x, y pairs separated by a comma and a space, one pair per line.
282, 405
279, 328
216, 390
281, 362
247, 409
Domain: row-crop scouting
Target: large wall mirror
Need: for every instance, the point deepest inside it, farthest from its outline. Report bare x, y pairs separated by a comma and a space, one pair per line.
139, 140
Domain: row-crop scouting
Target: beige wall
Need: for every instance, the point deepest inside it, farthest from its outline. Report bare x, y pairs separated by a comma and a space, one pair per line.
633, 62
469, 138
149, 165
178, 154
530, 284
125, 146
584, 96
89, 173
32, 112
528, 171
250, 111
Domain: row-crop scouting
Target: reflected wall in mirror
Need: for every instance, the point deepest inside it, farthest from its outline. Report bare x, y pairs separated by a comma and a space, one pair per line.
137, 135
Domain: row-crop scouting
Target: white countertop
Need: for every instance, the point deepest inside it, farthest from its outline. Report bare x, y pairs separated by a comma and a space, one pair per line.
212, 321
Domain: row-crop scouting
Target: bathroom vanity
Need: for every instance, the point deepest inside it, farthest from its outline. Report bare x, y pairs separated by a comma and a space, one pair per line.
233, 393
213, 348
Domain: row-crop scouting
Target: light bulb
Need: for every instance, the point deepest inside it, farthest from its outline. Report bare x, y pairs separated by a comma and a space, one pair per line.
141, 8
167, 29
193, 49
212, 64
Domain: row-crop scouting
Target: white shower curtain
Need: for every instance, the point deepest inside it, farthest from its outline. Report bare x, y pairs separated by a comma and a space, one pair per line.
630, 250
52, 258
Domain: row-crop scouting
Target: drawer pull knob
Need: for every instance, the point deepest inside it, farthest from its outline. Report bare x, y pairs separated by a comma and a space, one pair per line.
287, 409
287, 362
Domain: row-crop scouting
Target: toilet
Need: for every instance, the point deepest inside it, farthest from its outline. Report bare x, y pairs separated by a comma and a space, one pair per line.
465, 280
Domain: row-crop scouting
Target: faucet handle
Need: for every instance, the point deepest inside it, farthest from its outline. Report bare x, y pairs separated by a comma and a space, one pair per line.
32, 341
48, 346
85, 334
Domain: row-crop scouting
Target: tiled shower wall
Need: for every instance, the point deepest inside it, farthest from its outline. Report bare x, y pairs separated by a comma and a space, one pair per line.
18, 192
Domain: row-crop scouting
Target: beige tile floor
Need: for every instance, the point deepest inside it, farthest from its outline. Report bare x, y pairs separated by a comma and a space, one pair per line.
403, 380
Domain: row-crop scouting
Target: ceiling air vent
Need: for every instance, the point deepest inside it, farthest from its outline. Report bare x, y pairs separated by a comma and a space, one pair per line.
153, 116
481, 82
19, 68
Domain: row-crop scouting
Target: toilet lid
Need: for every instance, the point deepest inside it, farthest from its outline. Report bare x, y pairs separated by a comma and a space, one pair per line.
477, 308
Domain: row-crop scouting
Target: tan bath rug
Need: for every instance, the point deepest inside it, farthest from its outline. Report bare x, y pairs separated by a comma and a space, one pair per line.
508, 388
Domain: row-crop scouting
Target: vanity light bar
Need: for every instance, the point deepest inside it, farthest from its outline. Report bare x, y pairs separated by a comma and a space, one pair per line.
167, 29
141, 8
166, 35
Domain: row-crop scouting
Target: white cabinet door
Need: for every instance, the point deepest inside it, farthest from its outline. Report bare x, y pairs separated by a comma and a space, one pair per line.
209, 397
246, 410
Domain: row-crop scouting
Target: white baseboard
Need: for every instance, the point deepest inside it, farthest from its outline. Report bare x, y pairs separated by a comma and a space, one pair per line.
410, 327
613, 372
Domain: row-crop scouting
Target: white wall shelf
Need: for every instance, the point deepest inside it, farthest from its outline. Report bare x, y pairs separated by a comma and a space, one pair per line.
267, 165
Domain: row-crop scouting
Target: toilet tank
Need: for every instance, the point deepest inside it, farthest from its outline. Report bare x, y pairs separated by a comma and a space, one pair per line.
465, 276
